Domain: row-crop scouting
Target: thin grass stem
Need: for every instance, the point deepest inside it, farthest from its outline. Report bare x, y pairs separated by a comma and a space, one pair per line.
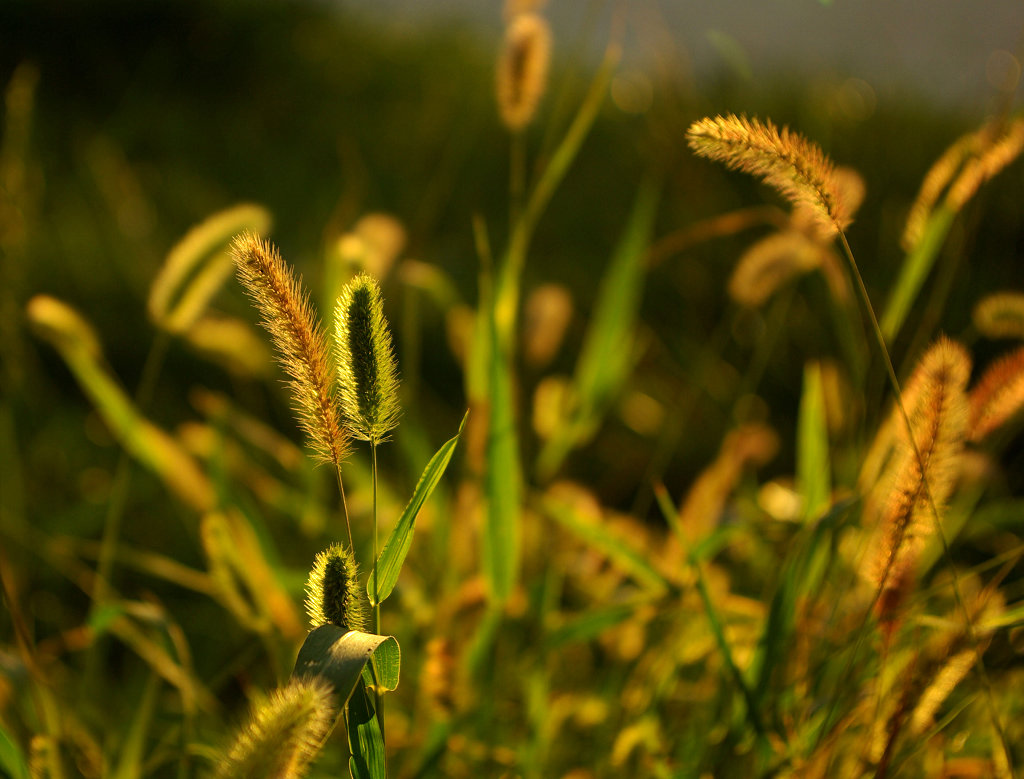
954, 578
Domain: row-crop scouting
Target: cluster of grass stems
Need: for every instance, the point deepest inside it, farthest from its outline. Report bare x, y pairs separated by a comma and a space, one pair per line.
823, 621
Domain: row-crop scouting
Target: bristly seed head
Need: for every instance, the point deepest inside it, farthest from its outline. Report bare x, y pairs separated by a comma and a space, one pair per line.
333, 594
366, 361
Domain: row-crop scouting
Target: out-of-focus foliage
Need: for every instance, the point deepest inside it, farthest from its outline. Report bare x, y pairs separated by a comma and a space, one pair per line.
677, 413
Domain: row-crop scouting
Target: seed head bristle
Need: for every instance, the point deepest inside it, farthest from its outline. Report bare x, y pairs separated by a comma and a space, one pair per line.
998, 395
794, 166
366, 362
289, 318
283, 735
523, 69
937, 408
333, 594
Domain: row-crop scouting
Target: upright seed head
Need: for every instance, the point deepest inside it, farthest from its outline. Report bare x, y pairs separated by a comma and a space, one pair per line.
333, 594
936, 403
366, 361
523, 69
289, 318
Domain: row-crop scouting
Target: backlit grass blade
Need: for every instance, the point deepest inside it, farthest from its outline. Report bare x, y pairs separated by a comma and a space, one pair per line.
12, 761
915, 270
132, 751
339, 656
800, 578
396, 547
589, 625
617, 548
365, 737
502, 487
608, 351
812, 459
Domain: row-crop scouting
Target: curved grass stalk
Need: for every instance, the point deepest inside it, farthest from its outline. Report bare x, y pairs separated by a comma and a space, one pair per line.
894, 383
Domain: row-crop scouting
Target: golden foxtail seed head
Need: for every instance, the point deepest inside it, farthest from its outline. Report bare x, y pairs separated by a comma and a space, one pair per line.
523, 69
284, 734
333, 594
295, 330
366, 361
794, 166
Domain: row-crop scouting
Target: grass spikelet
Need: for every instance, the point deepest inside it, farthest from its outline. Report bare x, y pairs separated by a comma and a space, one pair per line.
198, 265
998, 149
366, 361
938, 416
998, 395
1000, 315
288, 317
935, 182
769, 264
523, 69
794, 166
333, 594
283, 735
753, 444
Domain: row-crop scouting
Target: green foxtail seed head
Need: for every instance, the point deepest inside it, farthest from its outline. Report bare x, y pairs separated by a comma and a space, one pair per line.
333, 594
283, 735
366, 362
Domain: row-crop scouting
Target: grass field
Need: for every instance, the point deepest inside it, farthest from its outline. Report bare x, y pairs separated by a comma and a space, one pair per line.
454, 405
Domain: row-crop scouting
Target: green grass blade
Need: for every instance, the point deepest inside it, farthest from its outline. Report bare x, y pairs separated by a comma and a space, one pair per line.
618, 549
589, 625
502, 488
915, 270
396, 547
339, 656
129, 765
812, 459
365, 737
12, 760
608, 350
801, 576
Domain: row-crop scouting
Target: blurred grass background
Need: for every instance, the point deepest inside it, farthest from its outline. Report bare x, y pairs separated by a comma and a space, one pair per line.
149, 117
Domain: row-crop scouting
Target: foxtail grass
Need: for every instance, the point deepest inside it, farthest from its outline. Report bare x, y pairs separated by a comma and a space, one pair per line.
1000, 315
801, 172
333, 594
522, 70
938, 423
283, 735
998, 395
296, 334
784, 160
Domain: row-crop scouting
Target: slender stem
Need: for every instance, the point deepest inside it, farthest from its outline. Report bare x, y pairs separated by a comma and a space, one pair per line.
378, 697
344, 507
955, 580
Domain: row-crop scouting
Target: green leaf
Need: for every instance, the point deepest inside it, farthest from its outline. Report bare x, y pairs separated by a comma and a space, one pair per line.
812, 460
12, 761
365, 737
500, 540
396, 547
617, 548
589, 625
609, 346
339, 656
915, 270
